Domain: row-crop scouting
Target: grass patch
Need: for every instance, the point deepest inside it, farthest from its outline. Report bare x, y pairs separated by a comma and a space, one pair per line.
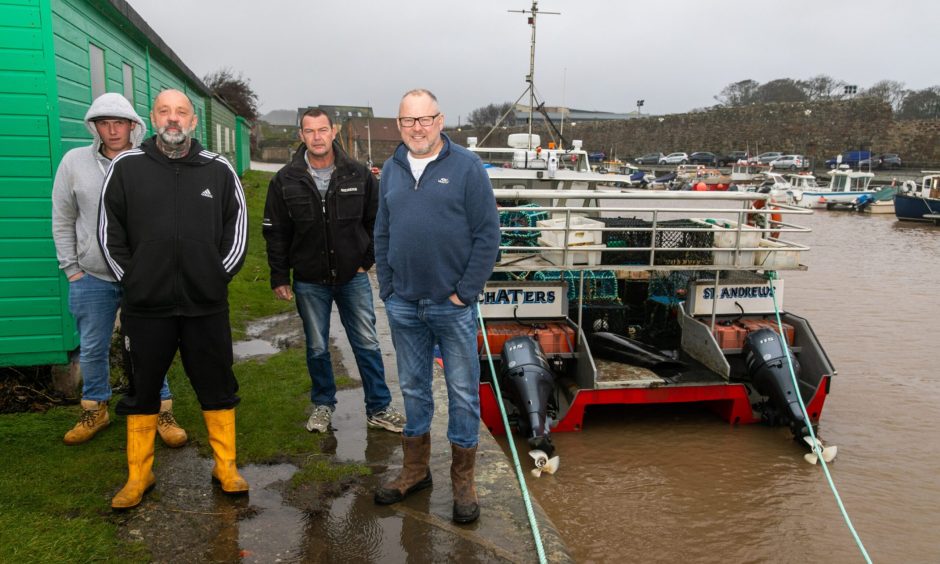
325, 471
250, 295
55, 499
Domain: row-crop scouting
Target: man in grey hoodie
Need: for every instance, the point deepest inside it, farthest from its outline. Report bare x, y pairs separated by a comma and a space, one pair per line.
94, 295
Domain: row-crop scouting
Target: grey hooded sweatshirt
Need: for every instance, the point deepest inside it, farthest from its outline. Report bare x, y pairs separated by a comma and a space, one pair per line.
76, 192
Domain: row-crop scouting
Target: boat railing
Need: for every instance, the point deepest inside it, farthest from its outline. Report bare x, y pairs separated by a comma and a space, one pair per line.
645, 230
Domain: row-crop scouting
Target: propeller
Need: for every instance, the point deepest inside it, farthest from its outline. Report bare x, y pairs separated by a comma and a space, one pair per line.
828, 453
543, 463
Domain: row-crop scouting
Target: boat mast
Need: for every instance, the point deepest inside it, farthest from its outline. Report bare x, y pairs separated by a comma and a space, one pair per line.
530, 78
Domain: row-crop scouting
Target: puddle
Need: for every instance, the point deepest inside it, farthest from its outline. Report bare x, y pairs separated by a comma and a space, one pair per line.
269, 336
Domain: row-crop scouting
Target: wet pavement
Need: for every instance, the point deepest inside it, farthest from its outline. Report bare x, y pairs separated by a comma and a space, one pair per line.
186, 519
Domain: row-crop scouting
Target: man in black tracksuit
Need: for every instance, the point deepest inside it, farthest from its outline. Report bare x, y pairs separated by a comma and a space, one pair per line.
173, 229
318, 222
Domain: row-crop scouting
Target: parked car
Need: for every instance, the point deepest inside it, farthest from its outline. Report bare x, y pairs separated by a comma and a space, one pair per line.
791, 162
852, 159
597, 156
732, 157
649, 158
886, 160
765, 158
675, 158
703, 157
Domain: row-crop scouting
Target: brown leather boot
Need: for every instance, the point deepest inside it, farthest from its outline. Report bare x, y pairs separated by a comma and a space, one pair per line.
170, 431
141, 431
93, 419
415, 474
466, 505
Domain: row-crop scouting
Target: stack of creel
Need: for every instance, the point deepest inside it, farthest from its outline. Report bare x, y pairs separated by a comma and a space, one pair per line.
600, 286
521, 218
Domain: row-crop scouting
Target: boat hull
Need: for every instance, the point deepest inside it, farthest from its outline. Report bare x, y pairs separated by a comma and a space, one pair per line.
913, 208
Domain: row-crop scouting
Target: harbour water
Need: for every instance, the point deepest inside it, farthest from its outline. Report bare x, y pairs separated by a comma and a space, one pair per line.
660, 484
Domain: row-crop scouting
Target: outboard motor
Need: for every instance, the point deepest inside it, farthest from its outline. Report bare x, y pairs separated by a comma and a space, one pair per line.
766, 361
530, 384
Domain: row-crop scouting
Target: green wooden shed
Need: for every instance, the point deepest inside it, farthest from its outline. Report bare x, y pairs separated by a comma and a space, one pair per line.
56, 56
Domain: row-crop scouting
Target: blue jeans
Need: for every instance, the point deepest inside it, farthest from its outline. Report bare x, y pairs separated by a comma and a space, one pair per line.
416, 328
357, 313
93, 303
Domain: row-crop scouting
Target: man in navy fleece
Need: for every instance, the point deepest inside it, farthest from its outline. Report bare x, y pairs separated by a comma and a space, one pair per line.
436, 240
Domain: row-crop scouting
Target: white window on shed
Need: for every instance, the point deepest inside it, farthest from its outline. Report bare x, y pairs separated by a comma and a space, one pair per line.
96, 67
218, 138
228, 144
129, 83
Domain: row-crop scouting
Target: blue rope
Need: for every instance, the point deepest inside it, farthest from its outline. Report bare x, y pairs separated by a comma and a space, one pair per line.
512, 447
845, 515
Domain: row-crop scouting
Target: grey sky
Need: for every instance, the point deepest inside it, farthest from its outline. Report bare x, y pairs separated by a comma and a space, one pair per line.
597, 55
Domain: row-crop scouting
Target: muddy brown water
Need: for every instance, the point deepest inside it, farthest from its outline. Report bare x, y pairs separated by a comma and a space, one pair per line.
660, 484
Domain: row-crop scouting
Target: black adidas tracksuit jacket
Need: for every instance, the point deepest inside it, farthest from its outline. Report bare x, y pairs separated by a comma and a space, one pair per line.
173, 231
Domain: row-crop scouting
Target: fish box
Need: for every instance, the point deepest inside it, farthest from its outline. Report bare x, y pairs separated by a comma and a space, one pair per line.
577, 235
777, 258
730, 336
589, 255
751, 325
724, 236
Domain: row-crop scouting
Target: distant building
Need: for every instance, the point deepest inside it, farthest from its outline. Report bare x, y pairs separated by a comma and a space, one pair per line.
339, 114
357, 135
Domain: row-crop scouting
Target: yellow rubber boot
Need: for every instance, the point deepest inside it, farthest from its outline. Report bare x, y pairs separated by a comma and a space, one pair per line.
93, 419
169, 430
221, 426
141, 432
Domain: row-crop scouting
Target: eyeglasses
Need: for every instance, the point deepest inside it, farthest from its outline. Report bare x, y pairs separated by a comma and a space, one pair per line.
423, 120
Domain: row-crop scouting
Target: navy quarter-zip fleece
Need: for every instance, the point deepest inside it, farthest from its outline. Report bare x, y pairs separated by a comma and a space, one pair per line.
439, 236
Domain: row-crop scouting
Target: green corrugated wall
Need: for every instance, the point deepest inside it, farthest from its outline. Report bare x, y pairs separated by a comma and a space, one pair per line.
45, 90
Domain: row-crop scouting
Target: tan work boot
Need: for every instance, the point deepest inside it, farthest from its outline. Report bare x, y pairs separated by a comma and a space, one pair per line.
94, 418
221, 426
170, 432
466, 505
415, 474
141, 431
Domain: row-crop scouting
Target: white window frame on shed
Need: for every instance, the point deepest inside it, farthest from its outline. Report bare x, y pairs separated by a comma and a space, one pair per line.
96, 68
228, 144
128, 72
218, 137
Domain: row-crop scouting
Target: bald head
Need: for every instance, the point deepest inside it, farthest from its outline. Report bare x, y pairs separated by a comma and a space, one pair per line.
174, 118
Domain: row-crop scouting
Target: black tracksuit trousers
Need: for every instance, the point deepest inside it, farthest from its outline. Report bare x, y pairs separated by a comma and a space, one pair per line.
205, 346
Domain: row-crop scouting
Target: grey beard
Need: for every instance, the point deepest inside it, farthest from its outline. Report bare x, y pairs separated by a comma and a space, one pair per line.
174, 150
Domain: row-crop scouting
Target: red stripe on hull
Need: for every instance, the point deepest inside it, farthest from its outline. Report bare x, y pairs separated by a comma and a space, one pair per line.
729, 401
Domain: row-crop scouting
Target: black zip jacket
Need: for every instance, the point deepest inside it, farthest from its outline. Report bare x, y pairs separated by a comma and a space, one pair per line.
173, 231
324, 242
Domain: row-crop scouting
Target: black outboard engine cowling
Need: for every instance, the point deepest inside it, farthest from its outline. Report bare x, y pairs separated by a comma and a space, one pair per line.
529, 380
765, 357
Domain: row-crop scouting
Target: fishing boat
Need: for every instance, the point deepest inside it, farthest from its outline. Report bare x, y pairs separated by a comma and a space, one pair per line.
605, 294
919, 202
642, 297
844, 187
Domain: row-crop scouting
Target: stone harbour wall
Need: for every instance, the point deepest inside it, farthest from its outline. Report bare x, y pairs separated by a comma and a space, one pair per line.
819, 130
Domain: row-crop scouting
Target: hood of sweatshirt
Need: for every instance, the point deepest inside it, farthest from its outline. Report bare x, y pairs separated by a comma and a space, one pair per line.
115, 106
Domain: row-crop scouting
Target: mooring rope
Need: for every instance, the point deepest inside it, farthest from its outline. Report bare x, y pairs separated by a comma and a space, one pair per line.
809, 425
512, 447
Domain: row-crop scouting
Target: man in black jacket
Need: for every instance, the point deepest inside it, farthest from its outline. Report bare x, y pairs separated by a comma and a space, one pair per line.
318, 222
172, 227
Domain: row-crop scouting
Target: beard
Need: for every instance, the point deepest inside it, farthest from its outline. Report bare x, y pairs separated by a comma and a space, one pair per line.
178, 136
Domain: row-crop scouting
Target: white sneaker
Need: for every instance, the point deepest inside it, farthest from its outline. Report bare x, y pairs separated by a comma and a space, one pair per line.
319, 421
389, 419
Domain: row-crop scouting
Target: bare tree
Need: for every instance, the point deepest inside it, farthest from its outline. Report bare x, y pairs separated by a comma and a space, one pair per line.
739, 93
488, 115
889, 91
781, 90
823, 87
921, 104
235, 90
